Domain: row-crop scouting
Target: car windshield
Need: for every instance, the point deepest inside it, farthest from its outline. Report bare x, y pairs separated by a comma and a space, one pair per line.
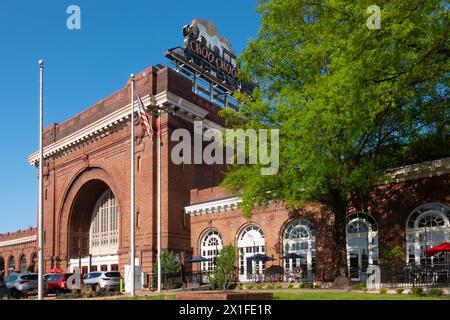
30, 277
113, 274
53, 277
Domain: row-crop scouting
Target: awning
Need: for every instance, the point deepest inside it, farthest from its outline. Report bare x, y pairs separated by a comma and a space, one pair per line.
261, 257
291, 255
443, 247
197, 259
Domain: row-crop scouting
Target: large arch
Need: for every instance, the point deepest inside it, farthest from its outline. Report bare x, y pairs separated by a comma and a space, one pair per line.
250, 241
210, 245
362, 243
427, 225
298, 236
77, 207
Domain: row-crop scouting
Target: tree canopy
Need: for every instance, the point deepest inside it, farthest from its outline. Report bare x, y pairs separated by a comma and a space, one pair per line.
349, 101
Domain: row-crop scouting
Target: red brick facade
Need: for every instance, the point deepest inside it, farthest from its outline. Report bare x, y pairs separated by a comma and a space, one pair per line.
76, 173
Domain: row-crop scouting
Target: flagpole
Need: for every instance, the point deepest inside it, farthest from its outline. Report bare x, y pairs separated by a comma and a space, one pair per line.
158, 143
41, 173
132, 231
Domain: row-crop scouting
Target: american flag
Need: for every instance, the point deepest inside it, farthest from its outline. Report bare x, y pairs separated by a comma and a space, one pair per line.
145, 118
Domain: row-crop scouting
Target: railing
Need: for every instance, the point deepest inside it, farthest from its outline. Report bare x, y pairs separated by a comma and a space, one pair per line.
398, 276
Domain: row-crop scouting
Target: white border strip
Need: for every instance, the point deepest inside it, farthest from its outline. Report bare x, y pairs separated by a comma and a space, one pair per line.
213, 206
15, 242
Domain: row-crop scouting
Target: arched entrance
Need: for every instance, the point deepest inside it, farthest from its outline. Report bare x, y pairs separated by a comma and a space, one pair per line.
94, 229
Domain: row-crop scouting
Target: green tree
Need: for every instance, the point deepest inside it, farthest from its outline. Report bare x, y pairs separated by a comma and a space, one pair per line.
224, 273
350, 102
170, 267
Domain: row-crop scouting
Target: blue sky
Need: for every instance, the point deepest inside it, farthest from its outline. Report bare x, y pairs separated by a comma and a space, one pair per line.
83, 66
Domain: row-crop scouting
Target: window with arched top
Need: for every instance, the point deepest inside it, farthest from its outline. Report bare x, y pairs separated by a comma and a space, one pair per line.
426, 227
104, 231
23, 264
362, 243
11, 265
250, 242
299, 244
211, 245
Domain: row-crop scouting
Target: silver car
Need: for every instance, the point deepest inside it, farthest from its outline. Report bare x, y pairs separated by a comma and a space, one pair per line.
103, 280
21, 284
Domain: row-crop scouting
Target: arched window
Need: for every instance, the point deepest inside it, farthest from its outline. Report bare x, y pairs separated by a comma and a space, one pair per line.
250, 242
23, 264
210, 247
299, 239
427, 226
362, 243
2, 264
104, 232
11, 265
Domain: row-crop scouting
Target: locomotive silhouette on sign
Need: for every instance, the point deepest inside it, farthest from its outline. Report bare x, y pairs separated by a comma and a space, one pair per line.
205, 33
209, 56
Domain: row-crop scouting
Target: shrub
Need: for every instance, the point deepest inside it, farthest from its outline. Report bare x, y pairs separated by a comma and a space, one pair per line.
417, 291
383, 290
224, 275
290, 285
358, 286
306, 285
258, 286
269, 286
437, 292
249, 286
279, 286
399, 290
240, 286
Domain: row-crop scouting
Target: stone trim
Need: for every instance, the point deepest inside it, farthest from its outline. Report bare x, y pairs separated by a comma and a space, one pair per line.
18, 241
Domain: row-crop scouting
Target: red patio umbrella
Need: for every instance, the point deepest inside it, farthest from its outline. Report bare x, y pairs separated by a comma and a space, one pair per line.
443, 247
55, 270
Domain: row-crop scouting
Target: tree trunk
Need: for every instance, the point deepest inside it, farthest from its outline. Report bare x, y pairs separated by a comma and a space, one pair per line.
341, 281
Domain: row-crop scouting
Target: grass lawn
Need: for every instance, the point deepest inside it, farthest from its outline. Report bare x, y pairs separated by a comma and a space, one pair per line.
156, 297
349, 296
324, 295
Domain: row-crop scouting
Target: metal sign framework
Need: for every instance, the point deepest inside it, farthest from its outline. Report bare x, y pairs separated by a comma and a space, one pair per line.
207, 80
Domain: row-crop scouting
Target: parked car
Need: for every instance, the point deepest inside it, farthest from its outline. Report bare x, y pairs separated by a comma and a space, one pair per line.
21, 284
103, 280
57, 282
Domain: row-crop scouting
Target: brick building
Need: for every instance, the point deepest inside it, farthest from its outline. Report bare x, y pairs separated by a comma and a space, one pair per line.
87, 199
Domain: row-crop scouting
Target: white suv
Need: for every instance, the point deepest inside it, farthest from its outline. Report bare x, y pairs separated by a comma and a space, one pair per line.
103, 280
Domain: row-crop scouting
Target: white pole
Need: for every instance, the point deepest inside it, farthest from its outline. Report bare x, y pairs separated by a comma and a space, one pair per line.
41, 173
158, 142
132, 236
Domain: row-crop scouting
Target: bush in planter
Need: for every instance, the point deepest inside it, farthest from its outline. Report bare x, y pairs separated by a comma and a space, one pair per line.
399, 290
383, 290
224, 273
249, 286
240, 286
278, 286
258, 286
306, 285
290, 285
417, 291
269, 286
437, 292
358, 286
